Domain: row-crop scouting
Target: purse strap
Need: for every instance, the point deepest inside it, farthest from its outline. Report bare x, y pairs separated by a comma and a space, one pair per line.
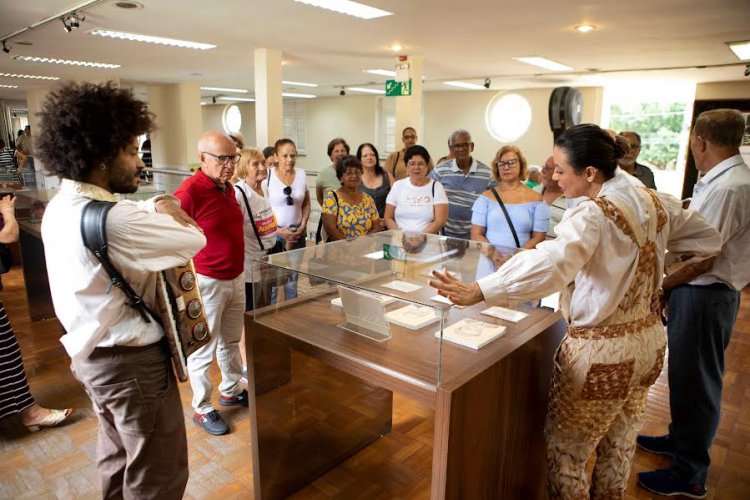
507, 217
252, 219
93, 232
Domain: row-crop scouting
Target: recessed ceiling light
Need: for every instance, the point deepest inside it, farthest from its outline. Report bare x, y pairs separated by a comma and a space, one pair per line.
236, 99
2, 86
543, 63
381, 72
128, 5
224, 89
135, 37
30, 77
66, 62
301, 96
349, 8
465, 85
396, 47
740, 49
366, 91
27, 44
585, 28
299, 84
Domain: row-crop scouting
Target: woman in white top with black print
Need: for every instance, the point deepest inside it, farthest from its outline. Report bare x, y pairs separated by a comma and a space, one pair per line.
416, 204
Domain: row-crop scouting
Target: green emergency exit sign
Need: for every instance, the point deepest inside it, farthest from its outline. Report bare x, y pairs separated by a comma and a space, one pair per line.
395, 89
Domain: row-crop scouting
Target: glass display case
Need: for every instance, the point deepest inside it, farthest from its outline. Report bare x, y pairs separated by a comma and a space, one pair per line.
30, 206
337, 328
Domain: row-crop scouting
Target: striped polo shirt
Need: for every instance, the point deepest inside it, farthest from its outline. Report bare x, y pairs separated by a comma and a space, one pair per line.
462, 191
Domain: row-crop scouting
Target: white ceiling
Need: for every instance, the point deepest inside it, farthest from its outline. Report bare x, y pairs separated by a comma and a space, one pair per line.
469, 39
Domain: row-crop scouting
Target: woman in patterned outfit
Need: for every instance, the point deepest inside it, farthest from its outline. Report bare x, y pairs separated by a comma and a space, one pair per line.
348, 212
15, 397
608, 262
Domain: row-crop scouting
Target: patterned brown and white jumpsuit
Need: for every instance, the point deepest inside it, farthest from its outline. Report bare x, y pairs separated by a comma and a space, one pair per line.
602, 375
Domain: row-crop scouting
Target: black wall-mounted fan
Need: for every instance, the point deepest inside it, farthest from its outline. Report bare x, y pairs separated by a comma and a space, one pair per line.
565, 107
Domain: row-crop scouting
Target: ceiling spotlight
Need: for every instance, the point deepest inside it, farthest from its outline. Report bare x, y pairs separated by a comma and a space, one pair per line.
6, 49
342, 91
487, 83
585, 28
72, 21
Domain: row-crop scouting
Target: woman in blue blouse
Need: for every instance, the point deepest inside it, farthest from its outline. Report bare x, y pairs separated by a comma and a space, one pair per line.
526, 208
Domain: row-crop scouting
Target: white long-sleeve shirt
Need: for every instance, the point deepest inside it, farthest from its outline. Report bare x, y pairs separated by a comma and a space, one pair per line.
141, 242
593, 252
722, 196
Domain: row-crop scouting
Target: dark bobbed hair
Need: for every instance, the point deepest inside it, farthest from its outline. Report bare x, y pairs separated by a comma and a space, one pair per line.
408, 128
268, 151
378, 169
84, 125
416, 150
346, 163
588, 145
281, 142
335, 142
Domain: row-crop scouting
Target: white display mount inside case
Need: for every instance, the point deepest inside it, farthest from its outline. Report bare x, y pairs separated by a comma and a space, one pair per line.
365, 314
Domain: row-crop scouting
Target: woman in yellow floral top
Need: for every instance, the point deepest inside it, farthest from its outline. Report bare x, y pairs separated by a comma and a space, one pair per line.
347, 212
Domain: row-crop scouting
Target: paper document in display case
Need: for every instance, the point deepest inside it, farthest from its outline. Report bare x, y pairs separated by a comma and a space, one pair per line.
413, 317
472, 333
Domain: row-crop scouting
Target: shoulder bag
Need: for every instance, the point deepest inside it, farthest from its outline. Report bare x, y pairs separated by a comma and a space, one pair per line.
507, 217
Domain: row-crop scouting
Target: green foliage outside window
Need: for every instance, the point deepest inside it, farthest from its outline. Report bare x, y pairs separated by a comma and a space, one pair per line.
659, 125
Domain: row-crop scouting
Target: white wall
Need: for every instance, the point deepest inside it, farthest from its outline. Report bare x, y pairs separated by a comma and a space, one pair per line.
355, 119
212, 120
722, 90
350, 117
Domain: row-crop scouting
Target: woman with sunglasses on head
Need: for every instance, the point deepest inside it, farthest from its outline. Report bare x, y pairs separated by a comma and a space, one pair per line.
290, 200
416, 204
347, 212
608, 263
511, 215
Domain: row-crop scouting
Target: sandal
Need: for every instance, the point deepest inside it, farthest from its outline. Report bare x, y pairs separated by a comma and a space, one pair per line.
53, 418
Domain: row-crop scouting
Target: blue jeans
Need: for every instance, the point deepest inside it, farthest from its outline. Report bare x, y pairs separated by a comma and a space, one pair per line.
700, 326
290, 287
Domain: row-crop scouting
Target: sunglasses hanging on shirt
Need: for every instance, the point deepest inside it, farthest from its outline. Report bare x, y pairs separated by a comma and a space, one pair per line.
288, 193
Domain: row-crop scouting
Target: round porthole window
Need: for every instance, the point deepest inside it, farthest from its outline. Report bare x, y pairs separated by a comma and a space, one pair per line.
508, 117
232, 119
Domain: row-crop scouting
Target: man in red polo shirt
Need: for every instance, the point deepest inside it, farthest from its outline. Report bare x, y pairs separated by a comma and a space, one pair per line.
209, 199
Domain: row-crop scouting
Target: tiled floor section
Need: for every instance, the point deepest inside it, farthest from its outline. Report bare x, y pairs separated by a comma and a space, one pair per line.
59, 463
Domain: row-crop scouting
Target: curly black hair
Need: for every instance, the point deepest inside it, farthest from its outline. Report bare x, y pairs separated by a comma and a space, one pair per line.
347, 162
84, 125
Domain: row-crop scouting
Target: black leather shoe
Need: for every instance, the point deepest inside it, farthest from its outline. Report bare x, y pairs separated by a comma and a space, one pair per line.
240, 399
212, 423
661, 445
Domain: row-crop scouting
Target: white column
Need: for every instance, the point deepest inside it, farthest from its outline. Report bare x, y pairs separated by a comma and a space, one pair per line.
409, 108
269, 111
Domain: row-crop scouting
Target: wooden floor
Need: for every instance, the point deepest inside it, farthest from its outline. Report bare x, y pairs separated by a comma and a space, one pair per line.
59, 463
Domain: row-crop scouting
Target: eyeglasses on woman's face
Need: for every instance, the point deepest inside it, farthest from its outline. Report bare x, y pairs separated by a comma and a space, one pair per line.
288, 193
506, 164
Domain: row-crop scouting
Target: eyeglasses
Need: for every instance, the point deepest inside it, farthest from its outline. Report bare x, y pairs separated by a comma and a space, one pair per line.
409, 137
224, 159
463, 145
288, 193
416, 164
506, 164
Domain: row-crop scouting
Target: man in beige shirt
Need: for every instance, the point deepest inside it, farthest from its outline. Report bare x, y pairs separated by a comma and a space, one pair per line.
395, 165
